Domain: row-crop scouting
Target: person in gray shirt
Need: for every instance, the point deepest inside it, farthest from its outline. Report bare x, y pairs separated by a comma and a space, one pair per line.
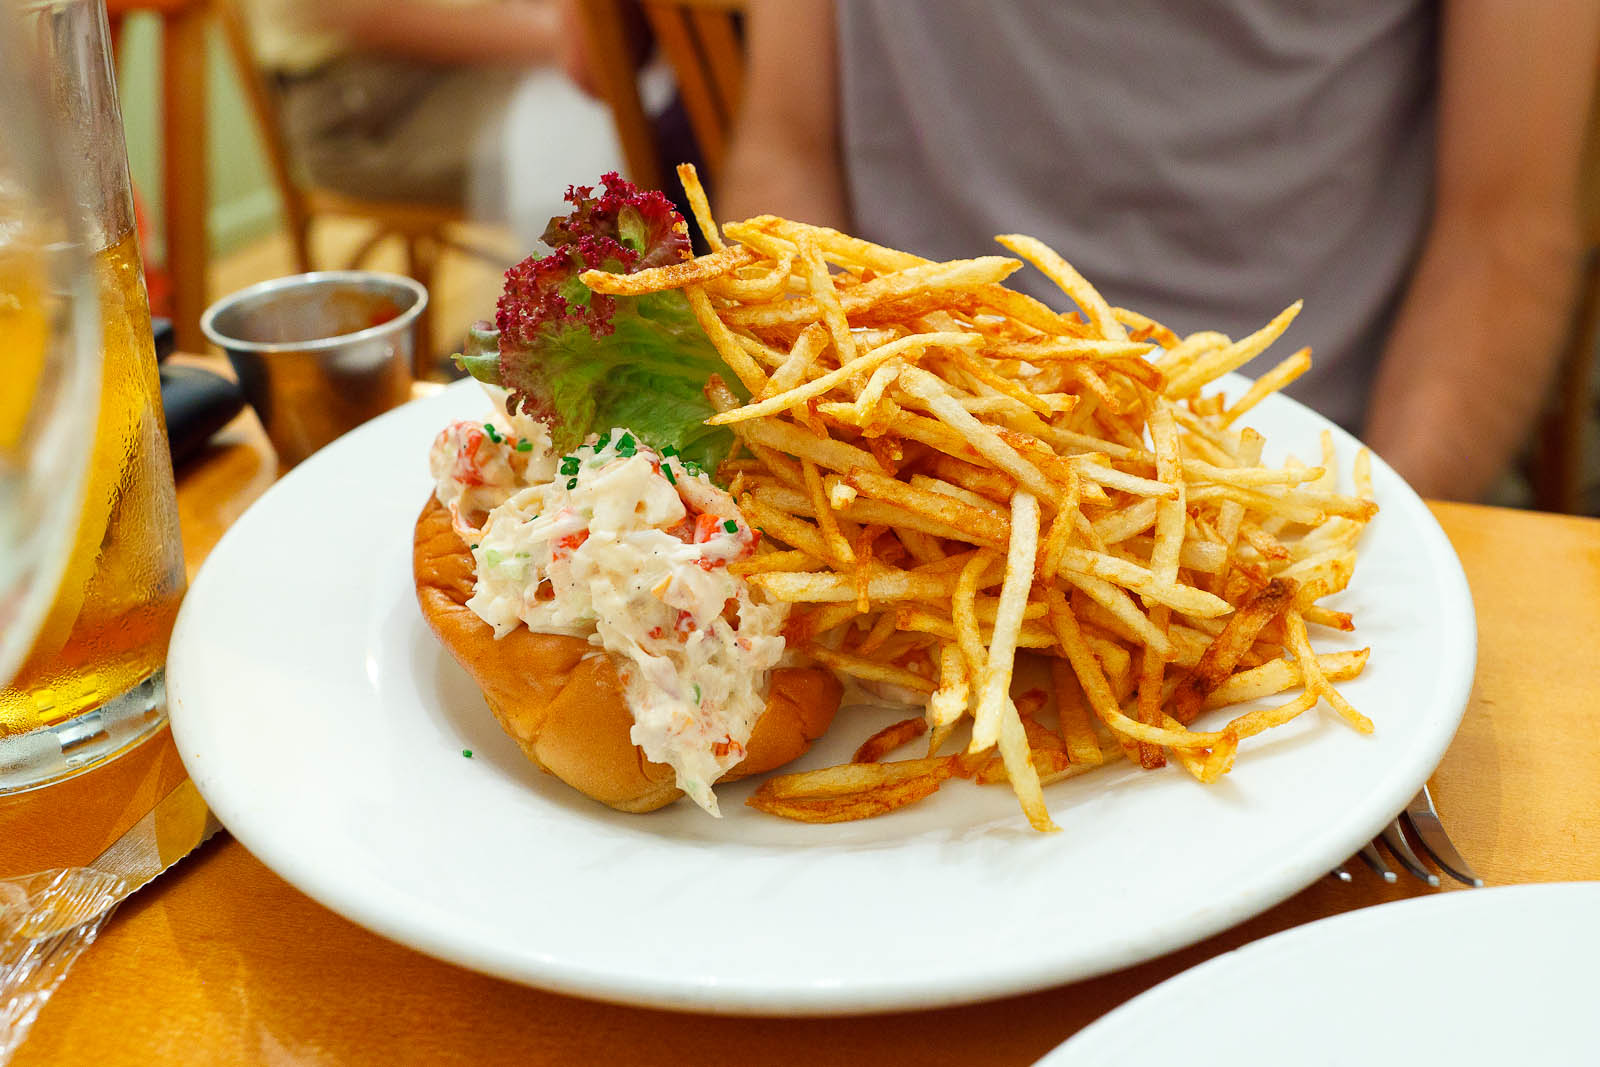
1410, 169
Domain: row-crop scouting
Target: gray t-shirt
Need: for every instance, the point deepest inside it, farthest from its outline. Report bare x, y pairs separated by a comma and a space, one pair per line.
1206, 162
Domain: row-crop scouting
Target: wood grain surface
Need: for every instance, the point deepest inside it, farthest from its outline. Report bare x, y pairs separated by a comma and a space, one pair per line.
222, 962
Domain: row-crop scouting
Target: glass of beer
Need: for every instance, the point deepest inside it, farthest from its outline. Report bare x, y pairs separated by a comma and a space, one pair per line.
91, 684
50, 355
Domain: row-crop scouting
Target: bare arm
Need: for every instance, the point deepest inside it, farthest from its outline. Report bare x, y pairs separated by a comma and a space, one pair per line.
1479, 331
514, 33
784, 156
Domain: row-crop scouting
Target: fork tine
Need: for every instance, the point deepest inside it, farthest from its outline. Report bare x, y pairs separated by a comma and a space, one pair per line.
1395, 838
1375, 861
1424, 819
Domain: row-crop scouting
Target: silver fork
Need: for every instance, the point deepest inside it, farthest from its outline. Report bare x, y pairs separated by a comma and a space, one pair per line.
1423, 820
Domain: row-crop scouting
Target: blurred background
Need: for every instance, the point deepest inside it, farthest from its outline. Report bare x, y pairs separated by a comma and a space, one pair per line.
262, 142
435, 139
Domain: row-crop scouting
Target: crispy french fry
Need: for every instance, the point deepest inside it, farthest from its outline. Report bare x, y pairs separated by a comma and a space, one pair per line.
1032, 634
1058, 270
1101, 699
1131, 576
744, 367
1120, 605
788, 438
1220, 361
673, 276
805, 627
863, 567
1072, 717
1151, 671
905, 347
871, 670
826, 296
774, 561
1275, 676
1216, 666
995, 680
1020, 771
851, 790
891, 737
700, 205
957, 274
791, 371
977, 524
1315, 681
822, 588
963, 610
932, 392
827, 522
755, 285
1275, 379
949, 701
1144, 326
1068, 349
792, 531
839, 247
874, 511
882, 630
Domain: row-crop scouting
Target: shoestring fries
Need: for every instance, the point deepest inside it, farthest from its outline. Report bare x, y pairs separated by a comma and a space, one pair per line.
1039, 524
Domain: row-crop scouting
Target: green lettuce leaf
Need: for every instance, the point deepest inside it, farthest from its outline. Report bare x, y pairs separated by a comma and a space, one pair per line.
586, 362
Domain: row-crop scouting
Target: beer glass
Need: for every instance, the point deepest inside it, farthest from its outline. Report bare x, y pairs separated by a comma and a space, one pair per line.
90, 684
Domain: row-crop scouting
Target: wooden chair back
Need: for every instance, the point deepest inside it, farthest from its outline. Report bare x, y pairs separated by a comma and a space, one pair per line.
700, 41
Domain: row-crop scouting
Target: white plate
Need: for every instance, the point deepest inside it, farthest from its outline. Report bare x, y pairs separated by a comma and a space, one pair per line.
1494, 976
325, 726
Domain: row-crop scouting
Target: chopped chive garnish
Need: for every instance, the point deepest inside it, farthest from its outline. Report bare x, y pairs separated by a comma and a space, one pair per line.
697, 694
473, 547
494, 434
569, 465
669, 451
666, 470
467, 752
625, 441
603, 440
731, 526
572, 483
524, 445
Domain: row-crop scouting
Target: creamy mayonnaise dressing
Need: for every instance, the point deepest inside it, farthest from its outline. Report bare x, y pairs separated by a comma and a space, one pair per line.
476, 466
629, 549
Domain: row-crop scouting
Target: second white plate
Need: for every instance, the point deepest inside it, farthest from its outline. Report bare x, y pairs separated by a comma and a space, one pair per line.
1492, 977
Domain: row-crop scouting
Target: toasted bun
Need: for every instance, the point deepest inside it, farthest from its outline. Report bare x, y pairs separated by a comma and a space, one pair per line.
562, 703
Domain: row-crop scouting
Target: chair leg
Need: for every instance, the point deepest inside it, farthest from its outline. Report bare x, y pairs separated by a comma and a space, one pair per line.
300, 241
365, 248
421, 256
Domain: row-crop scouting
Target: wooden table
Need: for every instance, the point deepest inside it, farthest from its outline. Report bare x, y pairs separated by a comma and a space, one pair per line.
223, 962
